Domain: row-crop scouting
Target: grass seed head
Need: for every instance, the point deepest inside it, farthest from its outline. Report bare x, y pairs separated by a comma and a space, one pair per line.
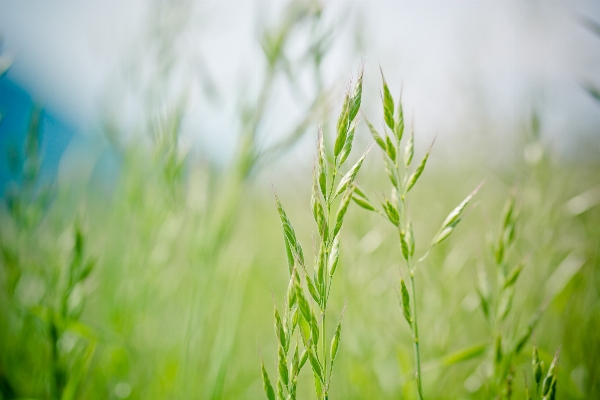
279, 328
282, 366
303, 304
410, 239
405, 301
303, 358
295, 363
334, 255
318, 212
390, 169
512, 277
314, 293
549, 384
409, 150
315, 364
399, 127
392, 212
348, 179
505, 305
347, 149
388, 105
380, 142
290, 236
414, 177
538, 366
335, 341
268, 388
361, 199
356, 96
295, 316
322, 166
404, 245
343, 207
390, 148
483, 291
498, 350
453, 219
342, 127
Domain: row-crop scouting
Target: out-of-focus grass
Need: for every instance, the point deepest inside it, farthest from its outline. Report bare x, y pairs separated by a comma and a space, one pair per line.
170, 324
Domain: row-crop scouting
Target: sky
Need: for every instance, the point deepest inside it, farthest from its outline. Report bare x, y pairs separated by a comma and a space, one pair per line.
471, 71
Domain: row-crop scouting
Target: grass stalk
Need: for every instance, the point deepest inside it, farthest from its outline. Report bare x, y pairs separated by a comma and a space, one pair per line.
416, 335
396, 210
298, 311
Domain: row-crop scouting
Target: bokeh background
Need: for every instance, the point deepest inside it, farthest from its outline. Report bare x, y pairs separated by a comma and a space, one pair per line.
141, 143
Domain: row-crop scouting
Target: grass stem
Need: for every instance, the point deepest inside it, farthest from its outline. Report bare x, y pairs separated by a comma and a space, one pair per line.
415, 327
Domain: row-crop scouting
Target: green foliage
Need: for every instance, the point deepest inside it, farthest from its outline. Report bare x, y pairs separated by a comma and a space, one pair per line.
161, 289
319, 286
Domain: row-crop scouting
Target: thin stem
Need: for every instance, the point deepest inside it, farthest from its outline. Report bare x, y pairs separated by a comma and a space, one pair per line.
327, 287
323, 334
415, 327
324, 347
411, 270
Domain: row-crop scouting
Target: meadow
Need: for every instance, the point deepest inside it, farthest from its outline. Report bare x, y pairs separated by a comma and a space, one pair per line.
163, 284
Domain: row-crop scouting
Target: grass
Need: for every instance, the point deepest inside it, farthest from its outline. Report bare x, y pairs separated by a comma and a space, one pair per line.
163, 288
298, 312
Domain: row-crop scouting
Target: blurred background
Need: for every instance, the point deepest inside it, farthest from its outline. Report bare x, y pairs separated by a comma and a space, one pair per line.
140, 141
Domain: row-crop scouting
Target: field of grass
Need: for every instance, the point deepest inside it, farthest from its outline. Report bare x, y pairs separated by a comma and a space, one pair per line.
162, 287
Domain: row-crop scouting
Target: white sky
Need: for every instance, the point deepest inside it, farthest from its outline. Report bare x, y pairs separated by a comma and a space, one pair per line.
469, 69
